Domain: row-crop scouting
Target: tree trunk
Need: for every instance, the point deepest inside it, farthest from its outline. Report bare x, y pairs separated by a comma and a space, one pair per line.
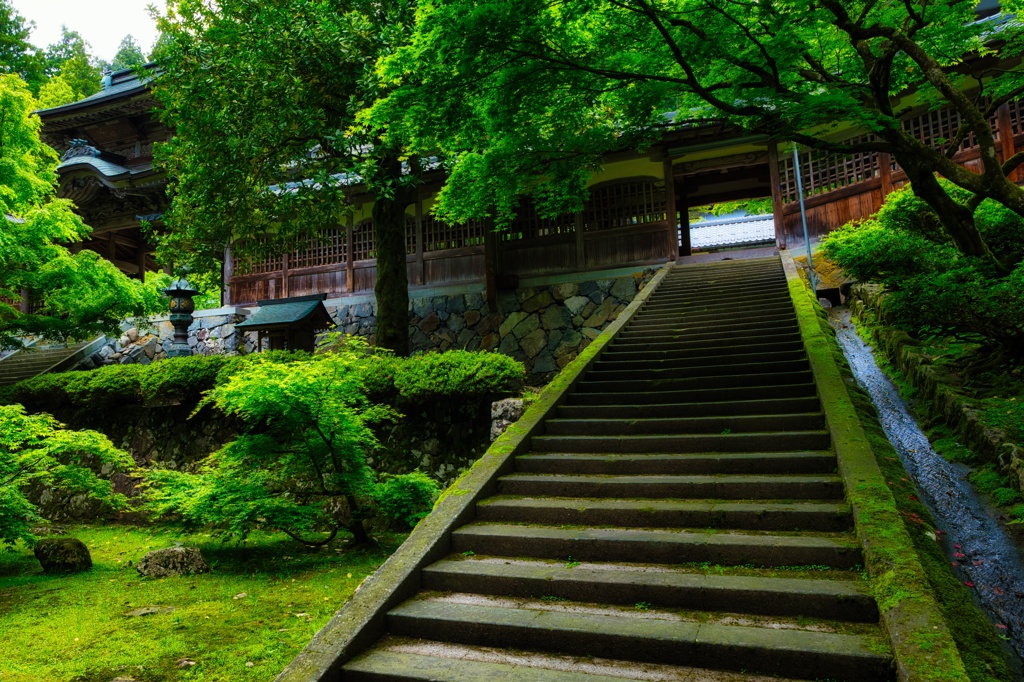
957, 220
392, 287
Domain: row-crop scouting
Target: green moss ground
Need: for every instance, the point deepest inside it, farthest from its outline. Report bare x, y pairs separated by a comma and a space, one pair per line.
977, 639
73, 628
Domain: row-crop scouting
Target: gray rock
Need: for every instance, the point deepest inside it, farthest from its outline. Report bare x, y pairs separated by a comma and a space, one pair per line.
474, 301
561, 292
132, 334
456, 304
526, 326
575, 304
523, 294
535, 303
456, 322
63, 555
149, 611
161, 563
601, 314
588, 288
430, 323
87, 364
533, 343
511, 322
465, 337
590, 333
363, 310
624, 289
545, 362
471, 317
555, 338
489, 323
504, 413
422, 307
556, 317
604, 284
105, 352
149, 348
508, 345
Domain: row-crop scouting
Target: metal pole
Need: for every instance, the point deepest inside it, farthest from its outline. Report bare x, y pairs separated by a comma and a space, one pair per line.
803, 219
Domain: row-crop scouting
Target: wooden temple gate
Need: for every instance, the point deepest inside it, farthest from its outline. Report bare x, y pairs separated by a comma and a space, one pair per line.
625, 222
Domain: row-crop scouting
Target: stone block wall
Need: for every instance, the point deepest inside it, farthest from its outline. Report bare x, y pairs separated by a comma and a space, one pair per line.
544, 327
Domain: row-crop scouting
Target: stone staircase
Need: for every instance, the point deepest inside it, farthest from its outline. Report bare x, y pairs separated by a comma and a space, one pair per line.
41, 358
681, 518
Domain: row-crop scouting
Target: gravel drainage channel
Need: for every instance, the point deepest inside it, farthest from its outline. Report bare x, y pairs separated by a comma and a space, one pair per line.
983, 554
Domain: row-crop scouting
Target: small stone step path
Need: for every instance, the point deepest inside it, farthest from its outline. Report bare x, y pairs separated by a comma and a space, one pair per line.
680, 518
37, 360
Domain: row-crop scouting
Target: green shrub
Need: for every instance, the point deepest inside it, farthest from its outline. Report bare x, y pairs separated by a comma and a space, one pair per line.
933, 289
406, 498
457, 373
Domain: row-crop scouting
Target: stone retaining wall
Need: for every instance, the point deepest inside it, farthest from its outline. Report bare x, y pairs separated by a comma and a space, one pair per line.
545, 327
902, 351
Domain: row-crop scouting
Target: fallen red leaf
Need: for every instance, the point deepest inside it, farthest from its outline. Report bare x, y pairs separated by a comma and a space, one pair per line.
959, 555
913, 498
998, 591
1000, 626
953, 563
957, 546
978, 563
968, 583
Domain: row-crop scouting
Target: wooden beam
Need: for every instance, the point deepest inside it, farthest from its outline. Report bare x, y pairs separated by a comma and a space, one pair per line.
885, 174
778, 208
1004, 125
350, 268
491, 243
284, 276
227, 270
422, 279
671, 211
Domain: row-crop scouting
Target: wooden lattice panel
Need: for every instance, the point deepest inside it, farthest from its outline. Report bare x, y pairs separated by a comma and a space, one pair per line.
624, 203
410, 234
263, 266
821, 171
530, 225
440, 236
1016, 116
328, 248
363, 247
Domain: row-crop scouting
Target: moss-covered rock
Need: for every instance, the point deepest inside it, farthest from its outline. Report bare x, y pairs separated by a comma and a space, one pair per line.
63, 555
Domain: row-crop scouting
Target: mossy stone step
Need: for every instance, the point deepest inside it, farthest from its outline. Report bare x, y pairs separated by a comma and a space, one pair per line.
603, 364
685, 425
678, 463
626, 354
826, 517
721, 486
732, 380
753, 340
767, 390
656, 546
737, 366
839, 600
794, 653
767, 406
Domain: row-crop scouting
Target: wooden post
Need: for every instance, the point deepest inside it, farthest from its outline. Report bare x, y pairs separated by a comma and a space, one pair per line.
685, 247
227, 271
885, 174
26, 301
581, 246
671, 213
778, 208
491, 242
350, 269
1005, 128
284, 275
420, 265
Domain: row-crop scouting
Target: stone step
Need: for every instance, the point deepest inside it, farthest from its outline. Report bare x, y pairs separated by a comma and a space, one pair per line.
402, 658
685, 332
749, 280
704, 487
673, 303
771, 441
798, 653
838, 600
697, 409
826, 517
603, 364
754, 340
645, 545
735, 364
766, 391
685, 425
711, 381
670, 320
677, 464
612, 354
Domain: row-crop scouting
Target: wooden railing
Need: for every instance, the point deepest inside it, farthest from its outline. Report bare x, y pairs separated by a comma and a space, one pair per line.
623, 223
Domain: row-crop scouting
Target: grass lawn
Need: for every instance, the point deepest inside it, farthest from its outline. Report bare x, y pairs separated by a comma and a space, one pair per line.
245, 620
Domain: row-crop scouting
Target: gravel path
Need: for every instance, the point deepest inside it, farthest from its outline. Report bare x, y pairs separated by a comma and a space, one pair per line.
980, 550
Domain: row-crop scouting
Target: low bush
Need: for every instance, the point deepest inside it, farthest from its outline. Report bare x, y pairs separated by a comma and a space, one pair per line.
933, 289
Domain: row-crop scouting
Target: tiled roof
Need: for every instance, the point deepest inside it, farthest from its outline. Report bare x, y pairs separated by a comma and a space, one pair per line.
279, 314
732, 230
106, 168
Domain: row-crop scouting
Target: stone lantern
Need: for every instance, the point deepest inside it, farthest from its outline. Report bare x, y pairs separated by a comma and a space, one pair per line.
182, 306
